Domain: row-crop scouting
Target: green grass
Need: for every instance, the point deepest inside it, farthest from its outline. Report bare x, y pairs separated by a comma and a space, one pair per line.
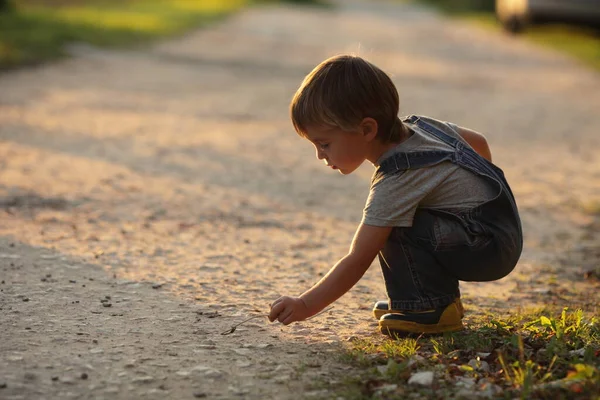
31, 33
534, 354
580, 43
462, 6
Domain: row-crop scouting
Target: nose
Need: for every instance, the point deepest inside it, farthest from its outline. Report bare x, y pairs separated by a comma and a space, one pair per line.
320, 154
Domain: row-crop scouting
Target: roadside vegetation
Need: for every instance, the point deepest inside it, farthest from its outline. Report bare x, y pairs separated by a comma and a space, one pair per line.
33, 31
532, 354
579, 42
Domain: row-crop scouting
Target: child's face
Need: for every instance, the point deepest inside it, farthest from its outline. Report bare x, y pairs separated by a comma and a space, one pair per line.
340, 150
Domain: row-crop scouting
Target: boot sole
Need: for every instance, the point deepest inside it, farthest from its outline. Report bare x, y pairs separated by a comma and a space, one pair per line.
406, 327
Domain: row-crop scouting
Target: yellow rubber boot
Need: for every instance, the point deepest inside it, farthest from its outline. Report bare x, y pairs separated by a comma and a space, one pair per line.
382, 307
448, 319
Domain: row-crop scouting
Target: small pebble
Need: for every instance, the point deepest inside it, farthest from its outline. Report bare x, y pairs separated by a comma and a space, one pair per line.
25, 298
199, 395
213, 373
3, 385
107, 304
143, 379
84, 376
72, 281
424, 378
54, 378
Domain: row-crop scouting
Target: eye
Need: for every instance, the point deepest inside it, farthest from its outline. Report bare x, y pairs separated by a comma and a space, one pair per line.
324, 146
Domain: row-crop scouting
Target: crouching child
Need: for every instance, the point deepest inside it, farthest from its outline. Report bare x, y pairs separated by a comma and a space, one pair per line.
438, 211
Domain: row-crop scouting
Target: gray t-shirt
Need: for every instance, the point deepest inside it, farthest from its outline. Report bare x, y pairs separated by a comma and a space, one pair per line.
394, 199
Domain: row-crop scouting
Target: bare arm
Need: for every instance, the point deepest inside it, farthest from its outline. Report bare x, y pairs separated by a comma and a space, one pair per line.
477, 141
367, 242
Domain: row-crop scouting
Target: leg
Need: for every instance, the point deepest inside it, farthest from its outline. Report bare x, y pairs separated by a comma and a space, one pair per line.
414, 275
422, 266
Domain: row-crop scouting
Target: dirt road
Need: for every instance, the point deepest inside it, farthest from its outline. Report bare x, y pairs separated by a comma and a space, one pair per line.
150, 199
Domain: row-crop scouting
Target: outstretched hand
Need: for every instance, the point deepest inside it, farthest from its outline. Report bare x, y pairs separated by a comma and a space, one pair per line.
288, 309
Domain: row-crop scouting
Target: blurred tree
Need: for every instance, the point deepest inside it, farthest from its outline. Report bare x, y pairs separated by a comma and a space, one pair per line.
484, 5
5, 5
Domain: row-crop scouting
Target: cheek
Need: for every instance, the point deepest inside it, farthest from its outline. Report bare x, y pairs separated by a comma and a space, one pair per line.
356, 151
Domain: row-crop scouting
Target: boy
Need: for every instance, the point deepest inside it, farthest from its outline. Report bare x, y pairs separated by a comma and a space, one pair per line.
438, 210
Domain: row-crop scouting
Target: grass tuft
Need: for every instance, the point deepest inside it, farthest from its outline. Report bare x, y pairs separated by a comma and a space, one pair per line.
533, 354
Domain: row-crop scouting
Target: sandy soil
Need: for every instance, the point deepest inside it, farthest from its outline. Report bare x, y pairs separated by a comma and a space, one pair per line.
150, 199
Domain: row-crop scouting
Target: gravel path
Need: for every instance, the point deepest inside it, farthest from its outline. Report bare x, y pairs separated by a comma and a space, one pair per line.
150, 199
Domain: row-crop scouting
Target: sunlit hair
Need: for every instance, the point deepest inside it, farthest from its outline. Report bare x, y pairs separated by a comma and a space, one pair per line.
342, 91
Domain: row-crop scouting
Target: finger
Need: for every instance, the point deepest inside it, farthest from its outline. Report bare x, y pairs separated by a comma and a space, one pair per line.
279, 300
275, 311
285, 314
288, 320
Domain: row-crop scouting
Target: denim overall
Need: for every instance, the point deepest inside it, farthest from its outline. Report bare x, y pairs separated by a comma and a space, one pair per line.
422, 264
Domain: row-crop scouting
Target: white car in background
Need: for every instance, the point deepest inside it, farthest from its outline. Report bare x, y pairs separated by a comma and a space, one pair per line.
515, 15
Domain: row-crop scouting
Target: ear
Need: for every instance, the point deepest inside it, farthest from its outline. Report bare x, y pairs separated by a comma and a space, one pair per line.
369, 128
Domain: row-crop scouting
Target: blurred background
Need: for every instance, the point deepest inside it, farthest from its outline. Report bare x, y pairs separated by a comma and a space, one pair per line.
35, 30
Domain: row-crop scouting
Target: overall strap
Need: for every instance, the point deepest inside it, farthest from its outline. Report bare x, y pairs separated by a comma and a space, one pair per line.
465, 156
413, 160
435, 131
420, 159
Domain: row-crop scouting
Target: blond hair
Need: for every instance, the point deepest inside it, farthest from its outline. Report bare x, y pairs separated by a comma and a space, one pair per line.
342, 91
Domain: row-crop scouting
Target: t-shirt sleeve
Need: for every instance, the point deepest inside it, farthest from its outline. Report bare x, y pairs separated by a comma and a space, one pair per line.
394, 198
444, 125
454, 127
456, 131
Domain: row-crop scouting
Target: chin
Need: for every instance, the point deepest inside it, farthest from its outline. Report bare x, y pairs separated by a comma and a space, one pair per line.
346, 171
